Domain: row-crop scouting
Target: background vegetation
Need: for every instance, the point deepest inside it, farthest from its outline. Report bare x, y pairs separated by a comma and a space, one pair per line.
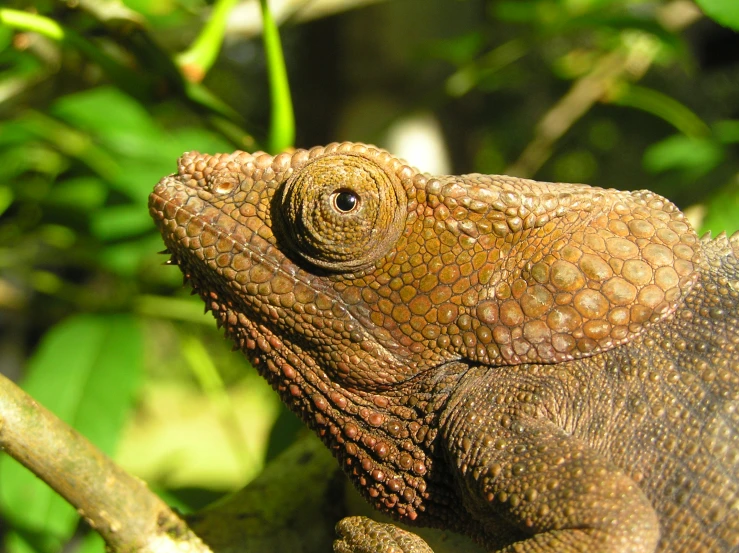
99, 98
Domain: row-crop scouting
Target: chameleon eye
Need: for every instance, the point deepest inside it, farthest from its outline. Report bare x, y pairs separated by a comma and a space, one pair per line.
345, 201
343, 211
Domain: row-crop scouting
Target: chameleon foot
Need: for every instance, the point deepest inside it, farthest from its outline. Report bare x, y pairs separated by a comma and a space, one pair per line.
364, 535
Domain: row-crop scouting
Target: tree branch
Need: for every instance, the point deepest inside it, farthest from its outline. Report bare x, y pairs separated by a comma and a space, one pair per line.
128, 515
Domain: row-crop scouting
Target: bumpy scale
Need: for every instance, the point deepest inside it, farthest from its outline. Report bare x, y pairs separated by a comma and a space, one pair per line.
545, 367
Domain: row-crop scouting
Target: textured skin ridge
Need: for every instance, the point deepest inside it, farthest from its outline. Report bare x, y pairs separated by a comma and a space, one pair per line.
553, 271
547, 365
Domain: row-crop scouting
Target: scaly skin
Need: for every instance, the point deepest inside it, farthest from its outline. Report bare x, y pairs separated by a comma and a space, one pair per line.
545, 367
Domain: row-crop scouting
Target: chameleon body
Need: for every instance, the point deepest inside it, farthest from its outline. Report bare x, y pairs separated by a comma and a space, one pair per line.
544, 367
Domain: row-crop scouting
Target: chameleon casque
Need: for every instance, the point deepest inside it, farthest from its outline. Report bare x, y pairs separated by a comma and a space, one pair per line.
544, 367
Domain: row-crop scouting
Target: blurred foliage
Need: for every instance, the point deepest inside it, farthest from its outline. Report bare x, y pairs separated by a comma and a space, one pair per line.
98, 99
726, 13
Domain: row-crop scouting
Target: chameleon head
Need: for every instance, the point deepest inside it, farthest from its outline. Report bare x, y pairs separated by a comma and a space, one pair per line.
375, 272
265, 241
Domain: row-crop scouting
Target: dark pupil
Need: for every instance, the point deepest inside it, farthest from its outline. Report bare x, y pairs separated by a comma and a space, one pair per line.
345, 201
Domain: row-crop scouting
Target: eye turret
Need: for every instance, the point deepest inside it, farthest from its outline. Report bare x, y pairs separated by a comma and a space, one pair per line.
343, 212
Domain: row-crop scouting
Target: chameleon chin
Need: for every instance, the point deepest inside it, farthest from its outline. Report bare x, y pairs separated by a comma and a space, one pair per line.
544, 367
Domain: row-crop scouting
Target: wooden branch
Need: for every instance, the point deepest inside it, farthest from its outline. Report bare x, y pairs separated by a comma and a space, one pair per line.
119, 506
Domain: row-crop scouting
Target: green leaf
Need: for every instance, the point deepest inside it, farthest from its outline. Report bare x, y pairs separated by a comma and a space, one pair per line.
192, 138
117, 122
727, 131
6, 198
661, 105
282, 118
122, 126
92, 543
23, 541
154, 159
6, 37
722, 211
30, 156
126, 258
83, 193
696, 156
69, 141
85, 371
202, 54
458, 50
14, 132
104, 109
120, 221
725, 12
519, 11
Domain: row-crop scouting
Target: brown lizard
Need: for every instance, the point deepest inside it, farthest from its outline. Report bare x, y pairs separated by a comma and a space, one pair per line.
544, 367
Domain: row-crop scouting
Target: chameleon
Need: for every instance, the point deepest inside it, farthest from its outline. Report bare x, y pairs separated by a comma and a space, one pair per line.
544, 367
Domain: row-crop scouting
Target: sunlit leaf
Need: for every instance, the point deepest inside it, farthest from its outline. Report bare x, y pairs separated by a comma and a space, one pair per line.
722, 211
139, 178
120, 221
6, 37
104, 109
664, 106
185, 432
679, 152
152, 158
92, 543
282, 118
124, 127
126, 258
31, 156
14, 132
83, 193
6, 198
70, 141
725, 12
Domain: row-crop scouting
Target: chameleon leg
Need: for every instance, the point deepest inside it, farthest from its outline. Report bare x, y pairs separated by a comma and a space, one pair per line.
522, 470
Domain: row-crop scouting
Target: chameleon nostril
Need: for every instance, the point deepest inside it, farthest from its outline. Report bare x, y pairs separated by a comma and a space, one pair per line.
220, 184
